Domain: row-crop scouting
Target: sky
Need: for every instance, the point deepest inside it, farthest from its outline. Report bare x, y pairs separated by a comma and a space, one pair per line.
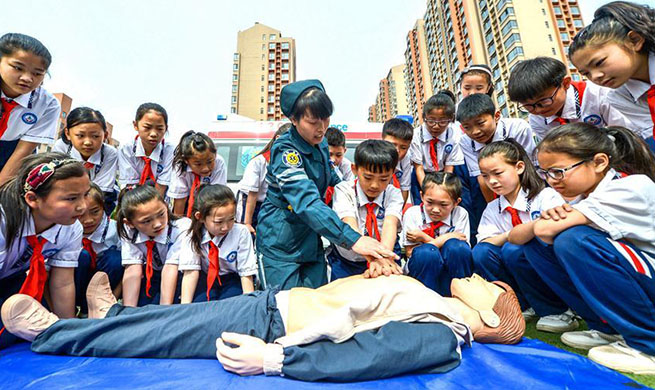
115, 55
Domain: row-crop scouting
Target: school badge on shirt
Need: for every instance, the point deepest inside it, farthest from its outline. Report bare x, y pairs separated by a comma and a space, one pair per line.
291, 158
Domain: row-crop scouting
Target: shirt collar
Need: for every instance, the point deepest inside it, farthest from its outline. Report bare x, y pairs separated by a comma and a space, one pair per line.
160, 239
95, 159
49, 234
637, 88
23, 100
141, 152
521, 202
96, 236
362, 199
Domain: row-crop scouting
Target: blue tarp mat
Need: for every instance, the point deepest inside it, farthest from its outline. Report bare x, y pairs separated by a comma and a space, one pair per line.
529, 365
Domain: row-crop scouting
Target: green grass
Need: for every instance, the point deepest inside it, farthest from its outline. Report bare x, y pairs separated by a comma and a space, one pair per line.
553, 339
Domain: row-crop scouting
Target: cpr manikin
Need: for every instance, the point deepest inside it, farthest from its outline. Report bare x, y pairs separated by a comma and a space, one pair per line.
335, 332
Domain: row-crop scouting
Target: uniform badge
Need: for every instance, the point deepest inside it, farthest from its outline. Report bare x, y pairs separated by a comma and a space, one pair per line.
399, 174
206, 179
448, 148
29, 118
380, 214
593, 119
49, 253
291, 158
232, 257
160, 168
535, 215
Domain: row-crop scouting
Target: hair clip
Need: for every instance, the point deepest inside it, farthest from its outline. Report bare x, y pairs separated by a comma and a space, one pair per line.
42, 172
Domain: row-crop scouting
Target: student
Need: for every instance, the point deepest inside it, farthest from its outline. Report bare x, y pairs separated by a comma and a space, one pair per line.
253, 185
400, 133
522, 197
196, 162
40, 232
617, 50
435, 145
369, 204
29, 113
476, 79
294, 215
342, 166
598, 254
482, 124
101, 247
148, 158
314, 335
436, 234
223, 263
151, 243
84, 139
542, 87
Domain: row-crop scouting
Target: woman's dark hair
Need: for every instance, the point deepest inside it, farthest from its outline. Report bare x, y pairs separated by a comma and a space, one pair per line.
209, 197
129, 200
146, 107
376, 155
12, 192
612, 23
512, 152
480, 70
627, 151
443, 99
314, 101
96, 194
13, 42
192, 142
449, 181
80, 116
281, 130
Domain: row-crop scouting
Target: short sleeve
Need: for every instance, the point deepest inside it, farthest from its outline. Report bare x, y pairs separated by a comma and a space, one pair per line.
189, 260
455, 157
127, 171
411, 221
45, 129
106, 178
488, 226
394, 206
415, 148
344, 201
246, 258
68, 255
164, 177
179, 187
250, 182
130, 253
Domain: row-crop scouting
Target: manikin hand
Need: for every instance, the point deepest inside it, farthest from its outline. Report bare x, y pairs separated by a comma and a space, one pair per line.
247, 358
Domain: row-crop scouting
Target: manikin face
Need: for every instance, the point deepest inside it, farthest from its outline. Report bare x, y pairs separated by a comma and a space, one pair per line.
476, 292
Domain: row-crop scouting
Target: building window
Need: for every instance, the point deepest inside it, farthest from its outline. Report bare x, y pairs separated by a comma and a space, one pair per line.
285, 65
271, 37
575, 11
553, 50
262, 88
236, 56
235, 77
233, 110
262, 77
261, 111
501, 99
263, 37
561, 23
271, 98
558, 11
271, 76
515, 52
550, 37
285, 76
235, 67
234, 99
564, 36
234, 88
547, 25
271, 87
285, 45
271, 45
509, 11
271, 110
271, 56
285, 56
543, 11
271, 66
510, 25
577, 23
510, 41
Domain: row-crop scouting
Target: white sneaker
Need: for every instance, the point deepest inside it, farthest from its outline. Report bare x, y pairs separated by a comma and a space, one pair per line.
529, 314
558, 323
587, 339
621, 357
25, 317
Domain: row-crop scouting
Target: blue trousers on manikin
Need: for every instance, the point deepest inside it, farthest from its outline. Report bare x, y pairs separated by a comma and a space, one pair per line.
608, 284
436, 268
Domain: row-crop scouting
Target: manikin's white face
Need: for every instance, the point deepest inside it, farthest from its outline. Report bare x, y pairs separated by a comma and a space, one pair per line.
476, 292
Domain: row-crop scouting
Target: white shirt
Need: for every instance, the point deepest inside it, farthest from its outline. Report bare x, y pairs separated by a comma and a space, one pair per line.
34, 119
417, 218
105, 236
105, 162
632, 101
624, 208
404, 172
496, 220
350, 201
448, 148
130, 164
62, 246
168, 245
594, 109
345, 170
235, 253
254, 177
506, 128
181, 184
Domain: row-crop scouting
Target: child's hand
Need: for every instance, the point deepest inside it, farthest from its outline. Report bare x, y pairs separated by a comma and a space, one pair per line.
386, 267
372, 249
441, 240
417, 236
247, 358
557, 213
250, 228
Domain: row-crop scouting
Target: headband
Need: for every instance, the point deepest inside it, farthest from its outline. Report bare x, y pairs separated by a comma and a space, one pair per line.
42, 172
477, 67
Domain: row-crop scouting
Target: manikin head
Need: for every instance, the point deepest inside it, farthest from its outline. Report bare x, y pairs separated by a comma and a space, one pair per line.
497, 305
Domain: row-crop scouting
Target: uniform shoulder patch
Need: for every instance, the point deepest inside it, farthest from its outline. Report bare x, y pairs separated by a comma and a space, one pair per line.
593, 119
291, 158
